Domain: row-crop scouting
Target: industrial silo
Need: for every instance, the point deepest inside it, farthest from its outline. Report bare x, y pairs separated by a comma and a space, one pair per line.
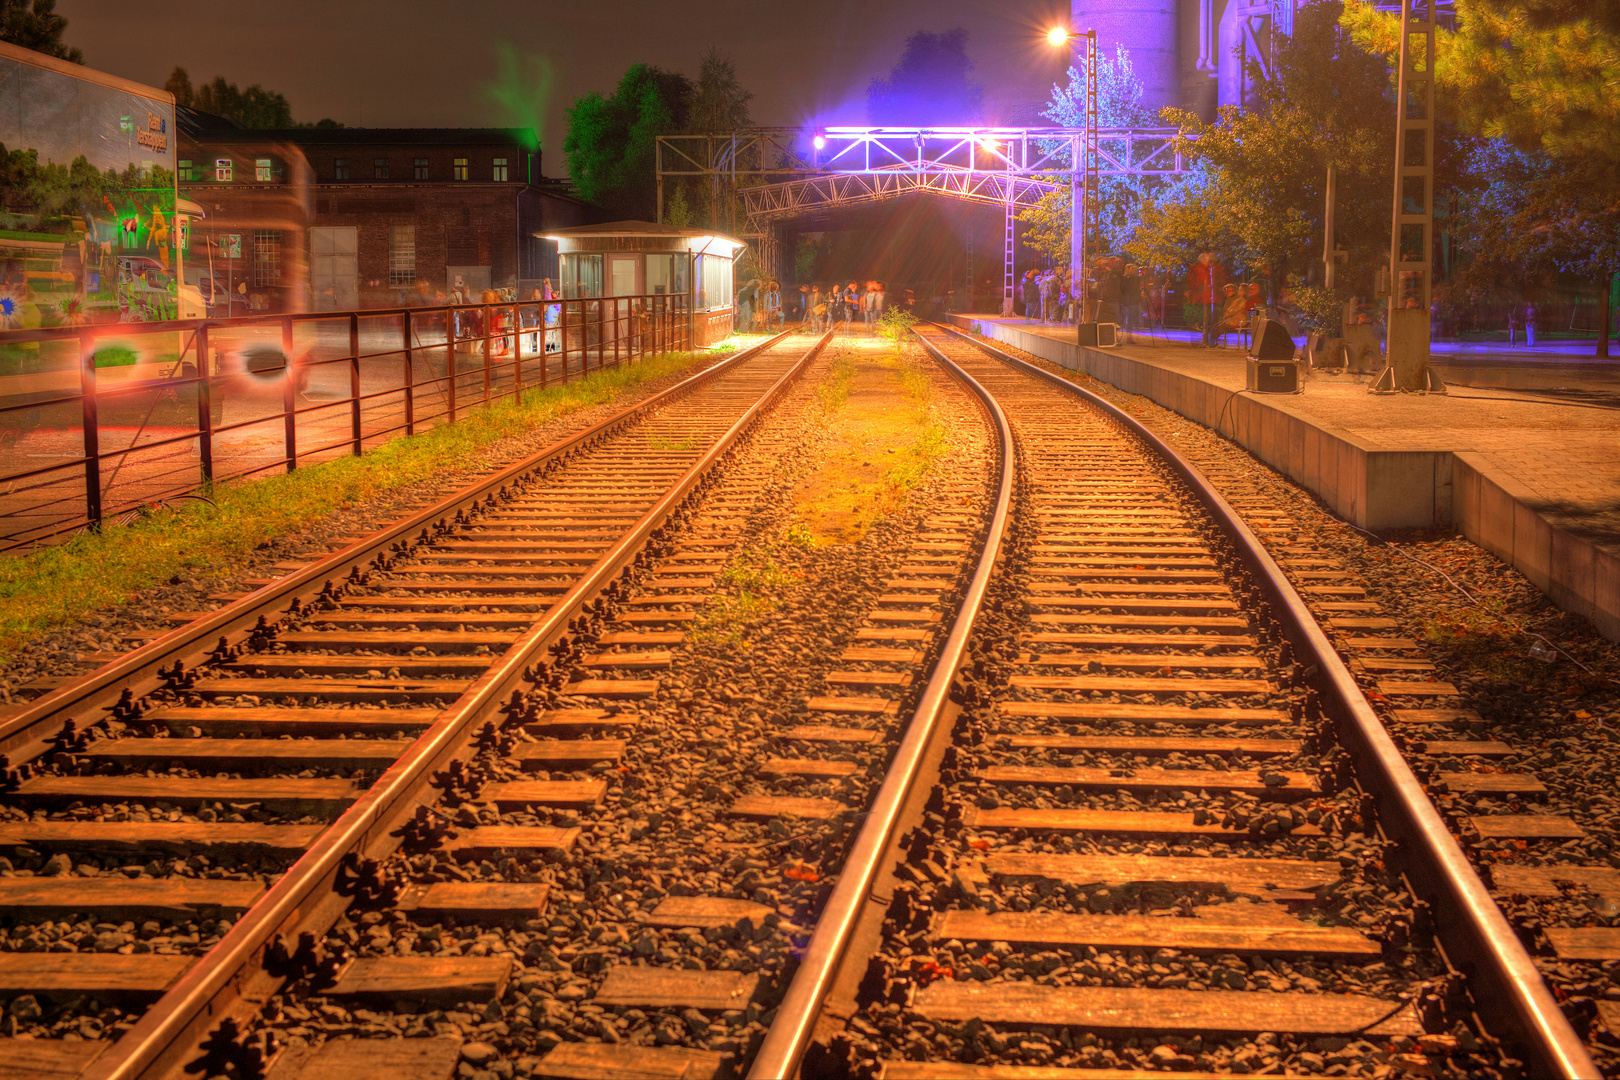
1147, 29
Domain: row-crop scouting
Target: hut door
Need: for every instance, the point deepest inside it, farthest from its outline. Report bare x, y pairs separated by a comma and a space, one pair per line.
623, 271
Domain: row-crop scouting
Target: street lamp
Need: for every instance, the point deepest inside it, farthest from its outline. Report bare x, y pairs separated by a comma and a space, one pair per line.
1083, 209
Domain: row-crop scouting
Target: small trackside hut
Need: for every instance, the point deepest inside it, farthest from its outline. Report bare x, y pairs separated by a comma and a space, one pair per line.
693, 267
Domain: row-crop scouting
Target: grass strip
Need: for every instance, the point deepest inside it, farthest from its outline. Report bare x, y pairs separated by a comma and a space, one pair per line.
63, 584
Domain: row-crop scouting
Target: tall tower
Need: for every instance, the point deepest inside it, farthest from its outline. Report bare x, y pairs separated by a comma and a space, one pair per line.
1147, 29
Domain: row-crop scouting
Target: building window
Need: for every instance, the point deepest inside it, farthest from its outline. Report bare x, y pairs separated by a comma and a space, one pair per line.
185, 171
379, 168
262, 170
500, 170
421, 172
402, 254
222, 170
458, 170
340, 169
266, 257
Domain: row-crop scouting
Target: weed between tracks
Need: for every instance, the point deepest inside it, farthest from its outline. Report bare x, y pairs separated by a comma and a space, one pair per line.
59, 585
749, 587
884, 439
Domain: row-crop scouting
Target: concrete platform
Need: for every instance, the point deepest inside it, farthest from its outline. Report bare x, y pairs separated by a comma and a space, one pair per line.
1533, 480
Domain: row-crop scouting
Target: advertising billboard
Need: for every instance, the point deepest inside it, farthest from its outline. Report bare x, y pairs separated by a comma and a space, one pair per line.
88, 228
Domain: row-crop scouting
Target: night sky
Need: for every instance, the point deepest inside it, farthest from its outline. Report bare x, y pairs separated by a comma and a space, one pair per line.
415, 63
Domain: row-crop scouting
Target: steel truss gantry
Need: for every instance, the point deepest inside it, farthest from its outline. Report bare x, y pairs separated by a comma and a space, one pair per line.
760, 177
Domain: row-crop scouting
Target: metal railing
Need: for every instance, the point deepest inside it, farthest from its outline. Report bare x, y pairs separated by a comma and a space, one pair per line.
135, 414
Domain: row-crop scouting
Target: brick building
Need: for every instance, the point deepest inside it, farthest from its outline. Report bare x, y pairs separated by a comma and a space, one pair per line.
338, 218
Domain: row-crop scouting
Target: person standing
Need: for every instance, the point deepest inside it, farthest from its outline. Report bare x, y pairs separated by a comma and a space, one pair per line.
1513, 326
804, 304
1130, 299
1032, 296
1112, 286
1530, 325
851, 304
1044, 285
771, 307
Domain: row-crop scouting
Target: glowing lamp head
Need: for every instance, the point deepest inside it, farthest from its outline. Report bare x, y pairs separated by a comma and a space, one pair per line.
820, 141
1057, 35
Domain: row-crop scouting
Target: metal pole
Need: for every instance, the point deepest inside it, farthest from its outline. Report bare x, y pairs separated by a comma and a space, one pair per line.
92, 432
1406, 358
450, 336
1328, 228
410, 381
1093, 207
658, 171
517, 353
354, 381
487, 314
205, 409
562, 335
289, 395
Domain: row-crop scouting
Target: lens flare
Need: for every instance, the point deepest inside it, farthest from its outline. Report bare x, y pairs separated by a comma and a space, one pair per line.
1057, 35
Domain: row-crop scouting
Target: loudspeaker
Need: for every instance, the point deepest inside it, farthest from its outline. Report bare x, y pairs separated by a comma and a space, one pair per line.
1325, 350
1273, 376
1099, 335
1271, 341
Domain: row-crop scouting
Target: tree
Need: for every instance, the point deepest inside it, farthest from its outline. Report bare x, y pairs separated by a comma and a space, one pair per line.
1538, 72
179, 84
718, 105
611, 140
929, 86
1531, 213
718, 102
255, 108
1049, 223
36, 26
1535, 78
1324, 105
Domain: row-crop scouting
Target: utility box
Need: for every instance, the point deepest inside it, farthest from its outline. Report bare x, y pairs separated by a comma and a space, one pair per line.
1099, 335
1274, 376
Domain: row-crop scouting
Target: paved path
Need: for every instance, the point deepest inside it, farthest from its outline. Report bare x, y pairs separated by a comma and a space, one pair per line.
1566, 452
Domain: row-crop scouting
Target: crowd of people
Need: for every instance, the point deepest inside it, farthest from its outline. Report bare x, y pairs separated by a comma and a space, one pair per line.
823, 308
1120, 292
1114, 291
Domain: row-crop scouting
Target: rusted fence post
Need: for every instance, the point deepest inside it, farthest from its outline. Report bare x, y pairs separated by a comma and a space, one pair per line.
205, 407
486, 315
354, 381
410, 381
450, 335
289, 394
514, 314
92, 432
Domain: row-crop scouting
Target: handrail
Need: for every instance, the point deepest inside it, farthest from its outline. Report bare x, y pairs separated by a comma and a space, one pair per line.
211, 988
1507, 987
23, 737
790, 1033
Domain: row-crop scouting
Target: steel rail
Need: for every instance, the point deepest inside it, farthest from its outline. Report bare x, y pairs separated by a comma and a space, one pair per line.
791, 1031
1508, 990
87, 699
229, 978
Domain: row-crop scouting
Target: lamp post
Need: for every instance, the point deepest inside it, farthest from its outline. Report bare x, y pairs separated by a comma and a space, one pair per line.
1083, 201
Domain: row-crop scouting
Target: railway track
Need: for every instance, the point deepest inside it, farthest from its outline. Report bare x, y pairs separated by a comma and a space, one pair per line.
1512, 773
1163, 829
1057, 773
208, 790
